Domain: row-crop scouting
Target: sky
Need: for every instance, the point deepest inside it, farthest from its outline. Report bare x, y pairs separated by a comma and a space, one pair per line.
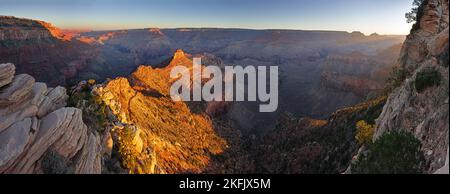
367, 16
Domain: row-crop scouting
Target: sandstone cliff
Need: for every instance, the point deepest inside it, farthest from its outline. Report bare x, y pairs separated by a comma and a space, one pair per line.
420, 104
38, 134
42, 50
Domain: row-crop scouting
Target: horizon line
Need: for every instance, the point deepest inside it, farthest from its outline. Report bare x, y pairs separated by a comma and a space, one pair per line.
170, 28
226, 28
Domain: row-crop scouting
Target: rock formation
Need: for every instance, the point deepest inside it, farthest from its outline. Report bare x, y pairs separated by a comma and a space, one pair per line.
38, 134
154, 134
423, 112
42, 50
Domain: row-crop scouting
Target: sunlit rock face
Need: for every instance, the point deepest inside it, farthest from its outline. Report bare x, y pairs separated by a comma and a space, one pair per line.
37, 133
423, 111
42, 50
161, 135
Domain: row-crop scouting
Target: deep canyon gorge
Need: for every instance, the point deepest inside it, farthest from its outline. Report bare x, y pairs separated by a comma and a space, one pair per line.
99, 101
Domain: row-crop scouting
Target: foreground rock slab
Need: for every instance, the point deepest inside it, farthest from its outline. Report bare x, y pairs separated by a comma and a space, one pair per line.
38, 133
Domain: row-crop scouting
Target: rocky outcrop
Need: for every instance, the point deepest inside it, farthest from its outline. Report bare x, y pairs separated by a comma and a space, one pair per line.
423, 112
38, 134
435, 16
20, 86
13, 28
154, 134
7, 73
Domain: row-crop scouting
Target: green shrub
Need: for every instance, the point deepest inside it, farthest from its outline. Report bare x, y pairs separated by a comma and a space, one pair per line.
395, 79
94, 109
426, 78
392, 153
53, 163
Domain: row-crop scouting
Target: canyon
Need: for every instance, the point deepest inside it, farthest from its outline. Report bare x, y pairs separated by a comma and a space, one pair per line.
331, 69
218, 89
117, 116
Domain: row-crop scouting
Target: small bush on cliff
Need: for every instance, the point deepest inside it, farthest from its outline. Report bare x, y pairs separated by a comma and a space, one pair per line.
94, 109
395, 79
392, 153
54, 163
364, 132
428, 77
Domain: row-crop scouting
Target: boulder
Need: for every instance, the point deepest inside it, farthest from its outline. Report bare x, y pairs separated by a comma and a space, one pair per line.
7, 71
13, 141
27, 108
56, 98
90, 160
50, 130
13, 114
19, 88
